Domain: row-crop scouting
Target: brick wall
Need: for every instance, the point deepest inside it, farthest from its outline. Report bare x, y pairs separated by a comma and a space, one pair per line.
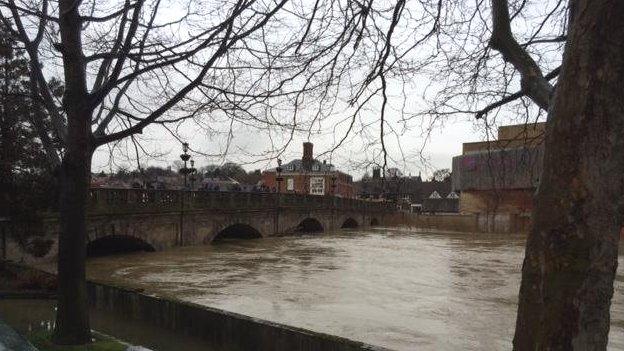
301, 183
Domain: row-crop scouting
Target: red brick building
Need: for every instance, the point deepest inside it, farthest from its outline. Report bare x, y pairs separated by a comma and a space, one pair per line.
310, 176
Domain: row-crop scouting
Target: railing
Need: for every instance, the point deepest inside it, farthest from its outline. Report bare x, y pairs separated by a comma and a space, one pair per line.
140, 200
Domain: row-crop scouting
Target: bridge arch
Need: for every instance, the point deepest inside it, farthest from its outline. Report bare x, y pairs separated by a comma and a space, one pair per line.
115, 244
374, 221
309, 225
349, 223
237, 231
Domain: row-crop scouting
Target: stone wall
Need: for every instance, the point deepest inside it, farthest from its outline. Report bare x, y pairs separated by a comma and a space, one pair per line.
221, 329
164, 219
467, 223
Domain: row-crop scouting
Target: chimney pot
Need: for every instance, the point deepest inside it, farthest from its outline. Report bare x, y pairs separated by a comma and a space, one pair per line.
376, 173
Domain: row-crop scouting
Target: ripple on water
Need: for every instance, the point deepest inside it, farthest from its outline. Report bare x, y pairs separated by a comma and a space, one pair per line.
403, 289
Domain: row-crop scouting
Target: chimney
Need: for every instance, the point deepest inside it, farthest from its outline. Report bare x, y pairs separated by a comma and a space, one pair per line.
376, 173
307, 158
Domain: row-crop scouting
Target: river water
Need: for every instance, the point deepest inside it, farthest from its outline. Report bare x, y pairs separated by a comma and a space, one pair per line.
402, 289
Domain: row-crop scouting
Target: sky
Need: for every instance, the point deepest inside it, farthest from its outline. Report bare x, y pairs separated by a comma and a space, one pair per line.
416, 143
421, 155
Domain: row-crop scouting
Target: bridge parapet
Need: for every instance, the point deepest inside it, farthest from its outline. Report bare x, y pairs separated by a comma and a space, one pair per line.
150, 200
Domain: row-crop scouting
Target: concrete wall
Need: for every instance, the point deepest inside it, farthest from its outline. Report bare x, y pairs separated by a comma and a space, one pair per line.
525, 131
502, 201
510, 137
467, 223
221, 329
509, 169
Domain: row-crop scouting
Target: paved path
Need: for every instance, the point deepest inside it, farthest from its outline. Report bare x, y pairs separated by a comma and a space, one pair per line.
10, 340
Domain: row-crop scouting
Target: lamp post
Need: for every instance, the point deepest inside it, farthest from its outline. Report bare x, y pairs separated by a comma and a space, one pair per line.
279, 177
185, 171
192, 171
185, 157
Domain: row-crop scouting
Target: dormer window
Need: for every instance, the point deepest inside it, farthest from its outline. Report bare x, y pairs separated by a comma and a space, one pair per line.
316, 168
435, 195
452, 195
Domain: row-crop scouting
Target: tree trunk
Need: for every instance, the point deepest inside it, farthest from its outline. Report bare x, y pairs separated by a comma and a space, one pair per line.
72, 319
571, 253
72, 316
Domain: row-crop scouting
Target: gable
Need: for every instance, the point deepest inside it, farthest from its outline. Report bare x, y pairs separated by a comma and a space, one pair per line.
452, 195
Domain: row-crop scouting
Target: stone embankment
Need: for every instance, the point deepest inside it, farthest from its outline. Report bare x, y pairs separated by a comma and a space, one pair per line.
220, 329
469, 223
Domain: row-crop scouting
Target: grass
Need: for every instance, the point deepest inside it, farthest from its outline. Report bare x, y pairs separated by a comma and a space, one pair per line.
42, 340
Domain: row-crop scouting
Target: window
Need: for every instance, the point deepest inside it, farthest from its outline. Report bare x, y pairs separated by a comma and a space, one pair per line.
290, 184
317, 186
315, 168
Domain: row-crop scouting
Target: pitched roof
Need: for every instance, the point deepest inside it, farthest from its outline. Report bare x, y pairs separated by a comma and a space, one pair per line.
297, 166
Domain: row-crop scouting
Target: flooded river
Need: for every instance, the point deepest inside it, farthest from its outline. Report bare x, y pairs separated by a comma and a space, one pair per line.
400, 289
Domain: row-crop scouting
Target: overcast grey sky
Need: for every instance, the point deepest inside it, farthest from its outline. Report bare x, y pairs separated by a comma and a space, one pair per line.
421, 154
418, 144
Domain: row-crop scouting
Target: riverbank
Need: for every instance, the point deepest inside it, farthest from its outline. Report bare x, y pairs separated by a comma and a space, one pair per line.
188, 326
221, 329
17, 281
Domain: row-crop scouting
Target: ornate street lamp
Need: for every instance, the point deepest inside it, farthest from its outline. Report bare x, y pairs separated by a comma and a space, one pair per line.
185, 157
279, 177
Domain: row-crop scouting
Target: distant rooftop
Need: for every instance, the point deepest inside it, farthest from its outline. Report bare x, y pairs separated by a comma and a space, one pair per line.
316, 166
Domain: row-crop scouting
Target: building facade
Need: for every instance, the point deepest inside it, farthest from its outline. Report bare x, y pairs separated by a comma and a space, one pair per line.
409, 193
309, 176
500, 176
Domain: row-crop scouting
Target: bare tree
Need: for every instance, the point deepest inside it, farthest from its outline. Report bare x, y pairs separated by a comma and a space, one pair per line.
563, 59
441, 175
571, 256
131, 64
128, 66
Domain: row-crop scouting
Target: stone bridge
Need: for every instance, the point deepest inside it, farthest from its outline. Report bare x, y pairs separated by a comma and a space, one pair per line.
137, 219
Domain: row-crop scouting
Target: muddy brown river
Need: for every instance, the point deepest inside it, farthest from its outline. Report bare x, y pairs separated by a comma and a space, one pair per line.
402, 289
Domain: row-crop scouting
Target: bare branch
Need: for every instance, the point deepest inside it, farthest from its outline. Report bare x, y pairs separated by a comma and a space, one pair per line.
533, 82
